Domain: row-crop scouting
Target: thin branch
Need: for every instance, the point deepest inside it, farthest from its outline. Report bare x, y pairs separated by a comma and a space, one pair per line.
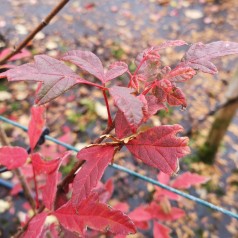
44, 23
18, 173
3, 137
25, 187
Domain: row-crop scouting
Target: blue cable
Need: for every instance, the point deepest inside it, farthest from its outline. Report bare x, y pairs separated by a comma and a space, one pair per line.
6, 184
9, 185
135, 174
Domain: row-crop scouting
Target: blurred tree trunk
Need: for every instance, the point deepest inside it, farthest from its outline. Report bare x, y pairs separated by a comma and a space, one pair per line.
221, 123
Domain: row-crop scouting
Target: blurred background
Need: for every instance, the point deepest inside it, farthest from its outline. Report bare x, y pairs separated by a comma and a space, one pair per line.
120, 30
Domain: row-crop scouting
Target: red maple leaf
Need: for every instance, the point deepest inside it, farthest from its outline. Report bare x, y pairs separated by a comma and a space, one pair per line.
97, 216
54, 75
50, 188
130, 105
187, 179
161, 231
97, 159
12, 157
199, 55
159, 147
36, 125
89, 62
36, 225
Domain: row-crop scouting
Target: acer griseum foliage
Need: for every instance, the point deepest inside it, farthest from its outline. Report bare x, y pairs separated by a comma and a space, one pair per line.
152, 87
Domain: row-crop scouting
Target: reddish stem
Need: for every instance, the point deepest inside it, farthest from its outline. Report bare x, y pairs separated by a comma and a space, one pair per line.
136, 71
7, 66
92, 84
99, 86
148, 88
109, 122
142, 62
130, 74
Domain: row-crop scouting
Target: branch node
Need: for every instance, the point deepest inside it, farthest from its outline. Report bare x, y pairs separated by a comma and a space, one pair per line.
44, 23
